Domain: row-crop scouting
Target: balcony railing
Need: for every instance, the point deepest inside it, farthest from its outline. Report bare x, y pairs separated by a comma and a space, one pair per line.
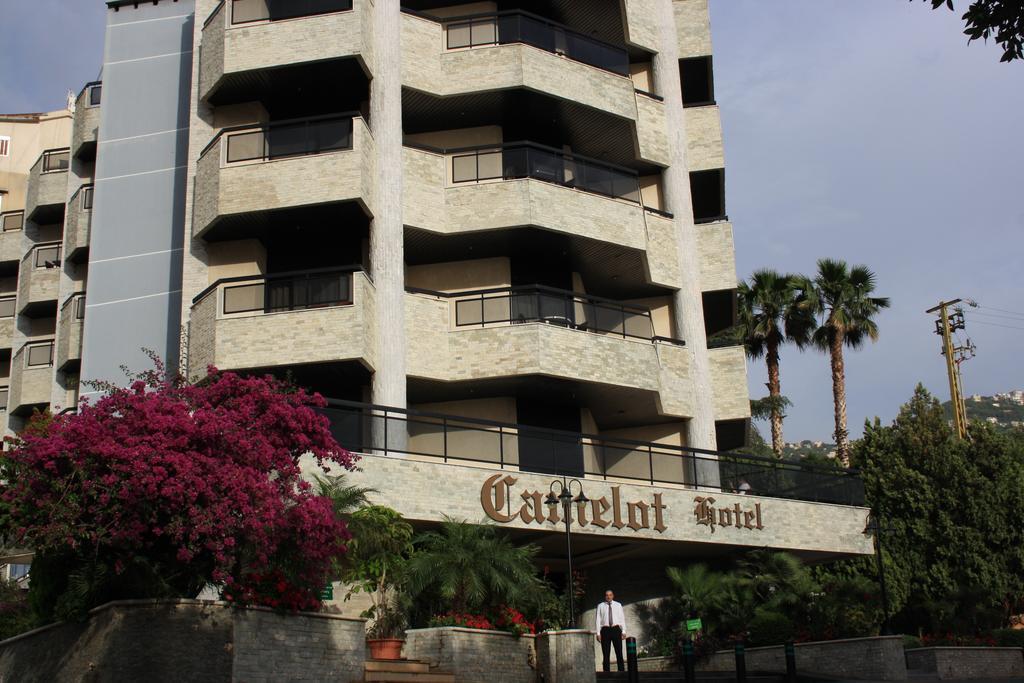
249, 11
292, 291
367, 428
518, 160
536, 303
11, 221
77, 300
295, 137
513, 26
37, 354
55, 160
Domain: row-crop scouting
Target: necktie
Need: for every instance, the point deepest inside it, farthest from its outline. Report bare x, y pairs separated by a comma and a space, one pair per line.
608, 614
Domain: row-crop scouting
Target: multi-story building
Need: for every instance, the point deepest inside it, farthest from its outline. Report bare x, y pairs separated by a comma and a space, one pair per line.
493, 233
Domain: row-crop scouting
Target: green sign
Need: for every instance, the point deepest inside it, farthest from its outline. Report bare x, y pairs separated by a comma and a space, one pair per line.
328, 592
694, 624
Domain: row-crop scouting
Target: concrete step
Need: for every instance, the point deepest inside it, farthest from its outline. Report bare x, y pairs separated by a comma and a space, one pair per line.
406, 677
397, 665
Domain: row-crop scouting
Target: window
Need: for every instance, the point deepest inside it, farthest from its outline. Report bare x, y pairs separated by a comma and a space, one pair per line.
698, 81
12, 221
87, 198
707, 190
48, 257
17, 571
80, 308
56, 160
3, 397
95, 95
39, 355
7, 307
5, 146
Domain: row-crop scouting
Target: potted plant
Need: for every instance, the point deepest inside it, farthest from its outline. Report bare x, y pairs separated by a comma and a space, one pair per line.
381, 542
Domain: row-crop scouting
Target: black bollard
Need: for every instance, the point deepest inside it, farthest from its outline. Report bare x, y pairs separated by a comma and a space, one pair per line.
688, 662
632, 666
741, 663
790, 663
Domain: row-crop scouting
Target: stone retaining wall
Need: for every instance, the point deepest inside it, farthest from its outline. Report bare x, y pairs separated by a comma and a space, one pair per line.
188, 640
959, 663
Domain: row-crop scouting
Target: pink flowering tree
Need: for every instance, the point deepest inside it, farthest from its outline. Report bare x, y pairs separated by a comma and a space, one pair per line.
162, 488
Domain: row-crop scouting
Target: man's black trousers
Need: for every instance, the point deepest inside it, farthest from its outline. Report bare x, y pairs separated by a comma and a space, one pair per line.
611, 636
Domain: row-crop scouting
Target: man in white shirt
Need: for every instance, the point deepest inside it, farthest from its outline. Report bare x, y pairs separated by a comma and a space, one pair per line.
611, 630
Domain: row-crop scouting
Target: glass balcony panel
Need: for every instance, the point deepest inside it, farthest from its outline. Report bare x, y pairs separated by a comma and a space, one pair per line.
7, 308
246, 146
47, 255
40, 355
608, 319
464, 168
555, 309
244, 11
536, 33
56, 161
95, 95
468, 312
332, 135
496, 309
489, 165
669, 467
472, 442
638, 325
244, 298
4, 392
459, 35
288, 140
524, 307
626, 462
279, 296
515, 162
13, 221
484, 32
326, 291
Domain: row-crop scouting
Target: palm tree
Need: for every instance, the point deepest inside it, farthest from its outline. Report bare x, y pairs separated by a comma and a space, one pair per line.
471, 567
345, 498
775, 309
848, 311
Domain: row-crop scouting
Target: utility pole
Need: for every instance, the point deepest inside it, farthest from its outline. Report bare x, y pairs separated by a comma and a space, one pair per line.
945, 326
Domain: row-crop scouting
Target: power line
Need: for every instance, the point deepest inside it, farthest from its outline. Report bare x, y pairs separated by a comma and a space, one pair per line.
998, 315
1005, 327
974, 304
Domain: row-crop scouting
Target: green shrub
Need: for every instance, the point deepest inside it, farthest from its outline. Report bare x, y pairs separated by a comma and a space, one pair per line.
1009, 637
770, 628
911, 642
15, 613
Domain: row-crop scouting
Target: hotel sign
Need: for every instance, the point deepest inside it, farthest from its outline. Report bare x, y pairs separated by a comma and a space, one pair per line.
503, 504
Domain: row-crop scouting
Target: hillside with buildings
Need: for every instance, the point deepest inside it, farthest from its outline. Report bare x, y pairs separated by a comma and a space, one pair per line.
1004, 410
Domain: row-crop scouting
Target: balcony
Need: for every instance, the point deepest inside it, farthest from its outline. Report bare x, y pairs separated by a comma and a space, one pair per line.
85, 133
524, 331
69, 332
39, 280
250, 170
247, 45
31, 377
467, 190
77, 224
47, 187
266, 321
11, 225
515, 50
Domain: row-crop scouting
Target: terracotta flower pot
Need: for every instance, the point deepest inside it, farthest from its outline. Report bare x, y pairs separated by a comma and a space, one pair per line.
385, 648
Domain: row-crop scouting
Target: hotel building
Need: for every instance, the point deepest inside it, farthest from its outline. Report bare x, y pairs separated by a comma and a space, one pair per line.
494, 234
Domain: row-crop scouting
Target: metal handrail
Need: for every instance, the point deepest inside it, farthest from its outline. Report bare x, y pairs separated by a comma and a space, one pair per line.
354, 268
274, 124
767, 476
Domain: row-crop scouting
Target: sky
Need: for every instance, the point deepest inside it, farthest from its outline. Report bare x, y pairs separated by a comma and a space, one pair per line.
867, 131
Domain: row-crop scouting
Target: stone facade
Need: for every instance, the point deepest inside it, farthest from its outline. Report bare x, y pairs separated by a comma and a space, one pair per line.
69, 335
188, 640
36, 284
86, 127
869, 659
77, 226
693, 27
431, 489
233, 50
472, 655
10, 245
729, 381
231, 189
565, 656
717, 255
44, 189
264, 340
966, 663
704, 137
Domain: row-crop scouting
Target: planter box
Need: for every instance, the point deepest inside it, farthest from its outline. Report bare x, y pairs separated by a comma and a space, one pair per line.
964, 663
473, 655
876, 659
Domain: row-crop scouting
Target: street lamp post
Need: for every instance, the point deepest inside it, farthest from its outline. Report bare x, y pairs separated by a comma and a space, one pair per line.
565, 498
875, 528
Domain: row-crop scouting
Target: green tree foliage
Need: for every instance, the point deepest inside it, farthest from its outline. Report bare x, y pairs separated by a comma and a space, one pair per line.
1002, 20
379, 550
953, 523
464, 567
775, 309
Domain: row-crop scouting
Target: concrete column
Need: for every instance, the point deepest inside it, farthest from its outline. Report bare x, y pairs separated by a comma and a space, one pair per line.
566, 656
387, 252
687, 305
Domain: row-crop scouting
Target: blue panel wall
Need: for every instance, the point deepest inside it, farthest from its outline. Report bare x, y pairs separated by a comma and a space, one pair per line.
135, 253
